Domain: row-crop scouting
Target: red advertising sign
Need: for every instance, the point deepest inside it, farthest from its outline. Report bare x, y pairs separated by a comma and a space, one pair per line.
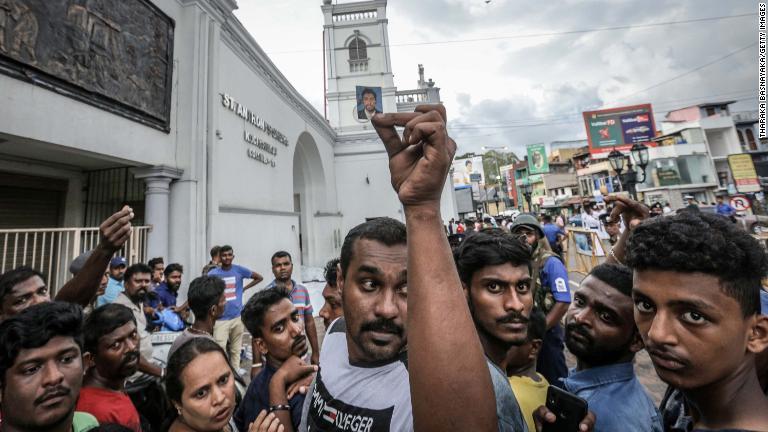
509, 171
619, 128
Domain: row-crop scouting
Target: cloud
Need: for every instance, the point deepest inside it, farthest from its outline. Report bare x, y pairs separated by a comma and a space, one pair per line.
517, 91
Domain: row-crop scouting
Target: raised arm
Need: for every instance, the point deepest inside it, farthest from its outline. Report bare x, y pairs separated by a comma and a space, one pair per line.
255, 279
114, 232
443, 385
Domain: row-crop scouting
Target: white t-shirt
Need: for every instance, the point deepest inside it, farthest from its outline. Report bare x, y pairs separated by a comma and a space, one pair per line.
377, 397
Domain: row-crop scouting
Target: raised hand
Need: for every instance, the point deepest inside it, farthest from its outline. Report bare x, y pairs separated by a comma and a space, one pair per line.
632, 211
419, 160
116, 230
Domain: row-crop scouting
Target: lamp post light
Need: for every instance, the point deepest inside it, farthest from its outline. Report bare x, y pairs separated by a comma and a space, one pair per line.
629, 180
527, 191
498, 168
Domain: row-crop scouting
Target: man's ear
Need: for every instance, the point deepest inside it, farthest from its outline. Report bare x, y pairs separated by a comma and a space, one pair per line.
758, 334
637, 342
88, 361
339, 279
535, 349
261, 345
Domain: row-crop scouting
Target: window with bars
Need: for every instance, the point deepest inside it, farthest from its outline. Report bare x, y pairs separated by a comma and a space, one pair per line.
358, 50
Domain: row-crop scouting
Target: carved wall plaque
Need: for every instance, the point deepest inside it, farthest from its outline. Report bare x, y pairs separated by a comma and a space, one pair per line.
114, 54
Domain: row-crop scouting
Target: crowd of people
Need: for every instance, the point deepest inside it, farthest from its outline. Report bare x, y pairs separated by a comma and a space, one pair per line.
418, 335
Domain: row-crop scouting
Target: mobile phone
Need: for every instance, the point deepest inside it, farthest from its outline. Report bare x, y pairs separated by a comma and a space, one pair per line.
569, 409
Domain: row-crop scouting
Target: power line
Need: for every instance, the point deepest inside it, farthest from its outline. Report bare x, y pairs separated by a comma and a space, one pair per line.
578, 115
719, 59
552, 123
538, 35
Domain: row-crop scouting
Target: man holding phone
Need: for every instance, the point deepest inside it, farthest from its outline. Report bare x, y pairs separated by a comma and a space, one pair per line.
600, 331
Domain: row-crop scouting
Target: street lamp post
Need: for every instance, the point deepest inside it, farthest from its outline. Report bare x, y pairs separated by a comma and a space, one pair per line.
639, 152
527, 191
498, 168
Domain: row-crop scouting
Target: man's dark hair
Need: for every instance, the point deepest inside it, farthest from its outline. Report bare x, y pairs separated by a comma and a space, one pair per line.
546, 218
537, 325
136, 268
616, 275
489, 247
36, 326
330, 271
103, 321
280, 254
11, 278
368, 91
384, 230
204, 292
215, 251
693, 242
256, 308
172, 268
155, 261
225, 248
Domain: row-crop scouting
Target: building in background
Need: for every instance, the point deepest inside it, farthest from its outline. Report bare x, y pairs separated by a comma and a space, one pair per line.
186, 118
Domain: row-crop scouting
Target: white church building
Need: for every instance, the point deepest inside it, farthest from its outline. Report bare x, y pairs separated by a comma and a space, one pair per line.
172, 107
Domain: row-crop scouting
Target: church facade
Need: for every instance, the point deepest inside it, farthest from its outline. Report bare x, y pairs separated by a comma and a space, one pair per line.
172, 107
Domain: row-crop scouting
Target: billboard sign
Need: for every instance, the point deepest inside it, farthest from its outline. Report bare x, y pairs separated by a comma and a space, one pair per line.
744, 173
509, 172
469, 171
619, 127
537, 159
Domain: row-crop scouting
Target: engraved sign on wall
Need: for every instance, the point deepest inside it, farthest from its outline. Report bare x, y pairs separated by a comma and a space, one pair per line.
114, 54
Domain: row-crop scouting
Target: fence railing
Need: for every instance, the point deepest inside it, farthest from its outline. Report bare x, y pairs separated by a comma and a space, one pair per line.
51, 250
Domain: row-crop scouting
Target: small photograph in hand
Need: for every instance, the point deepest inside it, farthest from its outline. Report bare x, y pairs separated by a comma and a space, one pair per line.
567, 407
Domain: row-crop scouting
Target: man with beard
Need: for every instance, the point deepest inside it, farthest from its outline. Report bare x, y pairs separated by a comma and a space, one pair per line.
282, 268
386, 282
369, 108
600, 331
143, 387
168, 290
111, 355
494, 269
41, 370
277, 328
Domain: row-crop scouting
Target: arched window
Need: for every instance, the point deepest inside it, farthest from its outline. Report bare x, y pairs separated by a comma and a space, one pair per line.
358, 49
751, 140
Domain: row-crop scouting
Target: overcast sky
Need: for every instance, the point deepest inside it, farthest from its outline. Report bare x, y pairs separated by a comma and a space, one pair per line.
524, 84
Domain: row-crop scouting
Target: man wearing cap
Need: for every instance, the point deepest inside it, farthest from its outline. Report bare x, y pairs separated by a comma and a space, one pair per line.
551, 294
115, 285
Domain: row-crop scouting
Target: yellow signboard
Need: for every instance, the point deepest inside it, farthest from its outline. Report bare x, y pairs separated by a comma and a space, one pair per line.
744, 173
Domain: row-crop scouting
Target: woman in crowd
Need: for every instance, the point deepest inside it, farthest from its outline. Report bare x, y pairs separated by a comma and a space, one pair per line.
201, 386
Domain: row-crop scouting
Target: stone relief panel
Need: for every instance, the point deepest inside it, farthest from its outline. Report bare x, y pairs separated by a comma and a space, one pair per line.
115, 54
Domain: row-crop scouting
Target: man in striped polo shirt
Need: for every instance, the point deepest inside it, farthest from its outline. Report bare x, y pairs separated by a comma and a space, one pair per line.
282, 268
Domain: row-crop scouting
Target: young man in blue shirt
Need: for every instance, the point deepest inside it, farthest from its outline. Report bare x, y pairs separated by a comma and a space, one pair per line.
724, 209
277, 328
228, 330
600, 331
551, 294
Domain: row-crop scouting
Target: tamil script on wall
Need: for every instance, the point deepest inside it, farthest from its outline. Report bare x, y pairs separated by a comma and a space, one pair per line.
115, 54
